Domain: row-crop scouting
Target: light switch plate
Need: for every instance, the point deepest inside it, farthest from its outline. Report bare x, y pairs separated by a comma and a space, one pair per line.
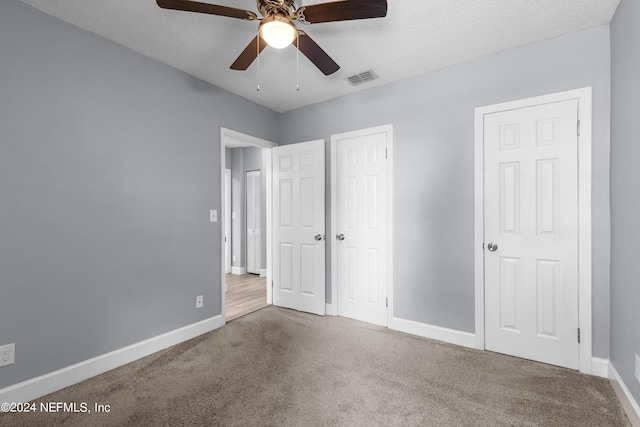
638, 368
213, 215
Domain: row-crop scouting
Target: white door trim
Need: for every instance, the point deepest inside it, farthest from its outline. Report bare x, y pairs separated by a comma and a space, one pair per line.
584, 98
334, 218
231, 136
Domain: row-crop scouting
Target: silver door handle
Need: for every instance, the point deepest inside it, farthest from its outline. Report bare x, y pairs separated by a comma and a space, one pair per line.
492, 247
340, 236
319, 237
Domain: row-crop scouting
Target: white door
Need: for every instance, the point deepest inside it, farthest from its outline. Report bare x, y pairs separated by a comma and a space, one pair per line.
531, 232
361, 224
298, 227
254, 234
227, 221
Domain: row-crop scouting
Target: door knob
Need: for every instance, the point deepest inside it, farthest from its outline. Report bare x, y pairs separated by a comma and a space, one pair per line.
319, 237
340, 236
492, 247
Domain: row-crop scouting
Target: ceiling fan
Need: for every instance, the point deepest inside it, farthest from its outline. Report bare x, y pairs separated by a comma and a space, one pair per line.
277, 28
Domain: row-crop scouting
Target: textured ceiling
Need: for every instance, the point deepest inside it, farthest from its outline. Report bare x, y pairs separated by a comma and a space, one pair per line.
416, 36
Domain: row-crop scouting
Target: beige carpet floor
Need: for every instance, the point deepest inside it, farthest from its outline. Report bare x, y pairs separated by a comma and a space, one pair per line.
278, 367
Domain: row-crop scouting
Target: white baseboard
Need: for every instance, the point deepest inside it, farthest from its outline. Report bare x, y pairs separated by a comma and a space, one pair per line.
238, 270
600, 367
263, 272
630, 405
54, 381
451, 336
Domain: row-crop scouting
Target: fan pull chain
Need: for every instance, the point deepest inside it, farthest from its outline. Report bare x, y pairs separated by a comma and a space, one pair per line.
258, 55
298, 63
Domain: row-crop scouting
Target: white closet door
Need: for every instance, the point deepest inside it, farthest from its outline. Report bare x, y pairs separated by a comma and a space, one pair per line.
298, 227
227, 221
531, 228
253, 222
362, 224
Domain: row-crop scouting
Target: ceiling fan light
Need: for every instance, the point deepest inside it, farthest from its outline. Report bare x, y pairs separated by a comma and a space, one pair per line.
278, 32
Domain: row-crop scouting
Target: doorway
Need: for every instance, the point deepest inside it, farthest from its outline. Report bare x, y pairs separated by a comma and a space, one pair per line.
236, 218
532, 225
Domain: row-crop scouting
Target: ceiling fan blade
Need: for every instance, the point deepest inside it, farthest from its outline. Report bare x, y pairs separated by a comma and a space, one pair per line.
249, 54
212, 9
344, 10
319, 57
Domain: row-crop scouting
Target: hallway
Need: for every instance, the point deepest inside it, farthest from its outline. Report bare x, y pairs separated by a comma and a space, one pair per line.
245, 294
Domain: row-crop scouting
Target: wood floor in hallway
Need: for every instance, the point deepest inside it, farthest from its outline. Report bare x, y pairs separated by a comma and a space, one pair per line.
245, 294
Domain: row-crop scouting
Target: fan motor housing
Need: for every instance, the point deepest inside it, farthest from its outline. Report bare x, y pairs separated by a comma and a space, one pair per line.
285, 8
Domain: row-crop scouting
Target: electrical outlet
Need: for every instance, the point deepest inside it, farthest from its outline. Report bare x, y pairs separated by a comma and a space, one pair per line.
638, 368
7, 354
199, 301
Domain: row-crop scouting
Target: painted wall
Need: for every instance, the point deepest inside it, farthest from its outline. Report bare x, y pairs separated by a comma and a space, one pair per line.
433, 121
625, 202
109, 164
243, 160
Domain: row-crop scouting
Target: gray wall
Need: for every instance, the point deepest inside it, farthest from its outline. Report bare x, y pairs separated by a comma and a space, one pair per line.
625, 201
433, 123
109, 164
243, 160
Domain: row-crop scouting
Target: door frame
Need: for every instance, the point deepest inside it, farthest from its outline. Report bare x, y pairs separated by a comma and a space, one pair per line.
333, 308
584, 98
241, 139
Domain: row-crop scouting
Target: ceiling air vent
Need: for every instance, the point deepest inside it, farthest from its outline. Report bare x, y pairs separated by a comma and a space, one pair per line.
363, 77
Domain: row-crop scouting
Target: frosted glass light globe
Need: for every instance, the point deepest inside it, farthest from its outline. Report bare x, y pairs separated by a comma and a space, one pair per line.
278, 32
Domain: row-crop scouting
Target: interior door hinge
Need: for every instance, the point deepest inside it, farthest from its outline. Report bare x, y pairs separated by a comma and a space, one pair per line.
578, 335
385, 154
387, 302
578, 127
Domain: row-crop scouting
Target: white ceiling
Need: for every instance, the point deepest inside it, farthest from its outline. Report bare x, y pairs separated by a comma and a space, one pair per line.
417, 36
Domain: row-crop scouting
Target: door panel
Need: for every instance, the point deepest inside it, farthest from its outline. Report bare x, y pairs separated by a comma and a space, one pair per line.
362, 221
531, 206
254, 232
299, 223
